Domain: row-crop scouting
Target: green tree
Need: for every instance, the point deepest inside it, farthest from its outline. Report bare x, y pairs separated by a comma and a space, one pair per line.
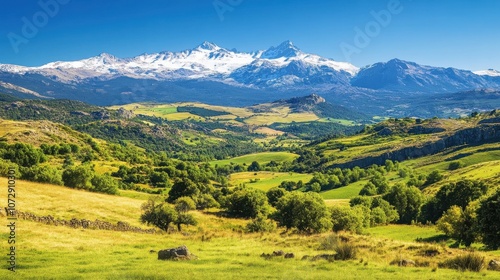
248, 203
104, 184
433, 177
254, 166
78, 177
488, 216
459, 193
183, 205
406, 200
368, 190
275, 193
42, 174
24, 155
350, 219
462, 225
305, 211
158, 214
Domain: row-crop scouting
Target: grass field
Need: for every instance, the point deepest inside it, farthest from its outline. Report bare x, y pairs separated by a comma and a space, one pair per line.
346, 192
261, 158
223, 251
265, 179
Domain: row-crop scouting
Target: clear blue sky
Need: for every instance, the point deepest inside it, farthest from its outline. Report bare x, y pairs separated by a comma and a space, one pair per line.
450, 33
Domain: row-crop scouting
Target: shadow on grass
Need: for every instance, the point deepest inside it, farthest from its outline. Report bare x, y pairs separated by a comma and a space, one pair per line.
434, 239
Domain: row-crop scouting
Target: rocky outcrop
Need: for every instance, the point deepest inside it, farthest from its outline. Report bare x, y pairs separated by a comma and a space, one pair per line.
179, 253
470, 136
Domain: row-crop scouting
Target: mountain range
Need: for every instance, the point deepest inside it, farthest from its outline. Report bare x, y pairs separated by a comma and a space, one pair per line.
212, 74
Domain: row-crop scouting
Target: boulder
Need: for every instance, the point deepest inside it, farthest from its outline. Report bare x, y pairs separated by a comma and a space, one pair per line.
494, 265
278, 253
179, 253
407, 263
289, 255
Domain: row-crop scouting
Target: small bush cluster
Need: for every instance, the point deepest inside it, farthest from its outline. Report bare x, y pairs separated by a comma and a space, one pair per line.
470, 262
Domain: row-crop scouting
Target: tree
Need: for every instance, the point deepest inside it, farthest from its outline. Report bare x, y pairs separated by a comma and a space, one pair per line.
433, 177
42, 174
462, 225
305, 211
350, 219
275, 193
104, 184
460, 193
368, 190
488, 216
254, 166
158, 214
406, 200
159, 179
78, 177
24, 155
248, 203
183, 205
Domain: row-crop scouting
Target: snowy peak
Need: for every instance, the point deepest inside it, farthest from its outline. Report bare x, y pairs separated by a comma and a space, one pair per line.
489, 72
208, 46
285, 49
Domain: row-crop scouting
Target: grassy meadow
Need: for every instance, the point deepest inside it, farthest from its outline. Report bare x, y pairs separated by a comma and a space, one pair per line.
223, 250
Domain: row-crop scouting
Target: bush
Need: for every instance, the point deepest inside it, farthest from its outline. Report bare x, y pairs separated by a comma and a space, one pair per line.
42, 174
350, 219
104, 184
454, 165
345, 251
306, 212
274, 194
330, 242
78, 177
261, 224
471, 262
248, 203
368, 190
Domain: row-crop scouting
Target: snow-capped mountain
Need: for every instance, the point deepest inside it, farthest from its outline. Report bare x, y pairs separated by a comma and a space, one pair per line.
206, 61
213, 74
286, 65
408, 76
489, 72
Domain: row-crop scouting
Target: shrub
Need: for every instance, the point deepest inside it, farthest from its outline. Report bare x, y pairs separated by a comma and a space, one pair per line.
261, 224
78, 177
471, 262
306, 212
345, 251
248, 203
454, 165
42, 174
104, 184
350, 219
275, 193
330, 242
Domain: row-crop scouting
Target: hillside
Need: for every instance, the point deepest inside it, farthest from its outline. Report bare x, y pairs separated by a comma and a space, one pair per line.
218, 243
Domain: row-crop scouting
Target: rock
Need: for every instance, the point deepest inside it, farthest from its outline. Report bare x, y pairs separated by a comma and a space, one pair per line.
278, 253
79, 113
494, 265
305, 257
327, 257
126, 114
289, 255
407, 263
179, 253
266, 256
